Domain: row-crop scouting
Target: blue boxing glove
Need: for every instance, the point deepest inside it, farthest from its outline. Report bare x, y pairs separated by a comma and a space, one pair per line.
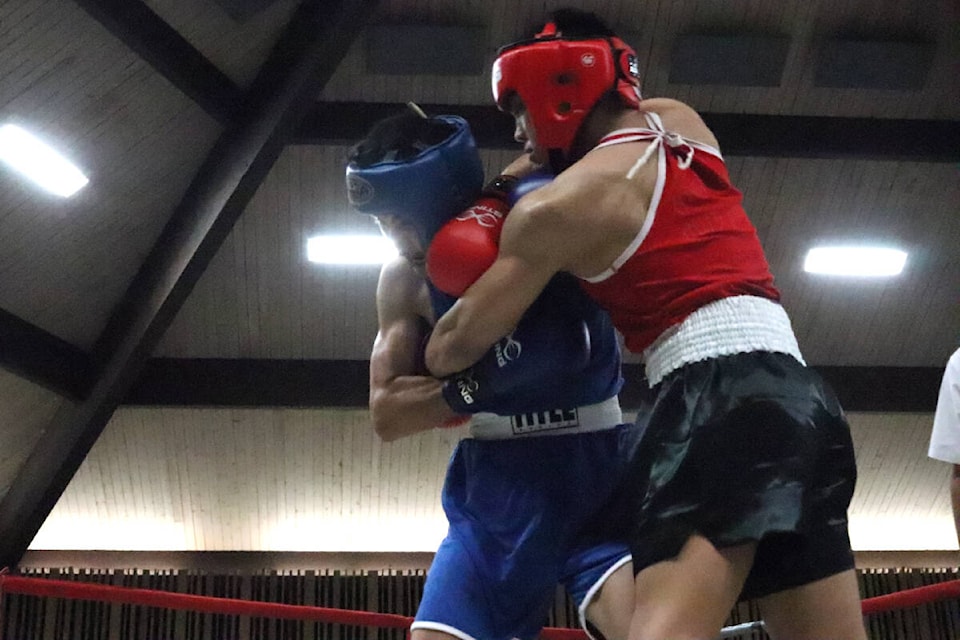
550, 344
526, 184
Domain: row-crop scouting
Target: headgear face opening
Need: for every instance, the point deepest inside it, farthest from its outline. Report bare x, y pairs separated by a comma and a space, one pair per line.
561, 79
424, 191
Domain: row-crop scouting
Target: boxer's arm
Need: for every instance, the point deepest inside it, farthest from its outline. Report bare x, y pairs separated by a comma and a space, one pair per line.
564, 226
551, 342
532, 249
403, 399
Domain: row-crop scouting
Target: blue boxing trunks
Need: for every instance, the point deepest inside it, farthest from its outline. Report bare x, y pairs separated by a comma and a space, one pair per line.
519, 502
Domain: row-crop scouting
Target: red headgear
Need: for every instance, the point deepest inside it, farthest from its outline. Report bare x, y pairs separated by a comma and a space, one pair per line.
561, 79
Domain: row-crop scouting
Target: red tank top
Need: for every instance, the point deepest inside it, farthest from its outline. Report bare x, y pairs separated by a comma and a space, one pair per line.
696, 245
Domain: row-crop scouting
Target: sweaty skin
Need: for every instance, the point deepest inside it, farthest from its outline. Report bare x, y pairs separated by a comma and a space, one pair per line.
579, 223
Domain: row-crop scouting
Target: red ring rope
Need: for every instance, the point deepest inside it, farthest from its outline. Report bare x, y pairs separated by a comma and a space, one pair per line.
912, 597
205, 604
48, 588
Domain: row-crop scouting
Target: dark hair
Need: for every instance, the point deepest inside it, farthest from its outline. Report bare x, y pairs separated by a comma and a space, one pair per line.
399, 137
574, 23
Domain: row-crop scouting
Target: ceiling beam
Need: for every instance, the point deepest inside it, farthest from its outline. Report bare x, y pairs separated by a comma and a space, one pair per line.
169, 53
885, 389
43, 358
739, 134
251, 383
348, 122
344, 383
836, 138
307, 53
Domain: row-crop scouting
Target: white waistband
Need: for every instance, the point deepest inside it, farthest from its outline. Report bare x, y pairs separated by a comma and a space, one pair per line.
555, 422
724, 327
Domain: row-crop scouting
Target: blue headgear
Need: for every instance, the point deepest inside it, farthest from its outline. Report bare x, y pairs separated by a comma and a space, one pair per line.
426, 190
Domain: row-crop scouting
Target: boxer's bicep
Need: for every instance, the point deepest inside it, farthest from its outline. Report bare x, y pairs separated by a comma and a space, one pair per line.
494, 304
394, 351
400, 327
403, 400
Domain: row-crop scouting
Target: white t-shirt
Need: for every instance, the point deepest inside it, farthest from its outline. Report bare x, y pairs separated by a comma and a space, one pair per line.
945, 439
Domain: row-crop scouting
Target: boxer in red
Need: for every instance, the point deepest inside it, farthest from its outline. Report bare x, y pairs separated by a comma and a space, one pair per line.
740, 483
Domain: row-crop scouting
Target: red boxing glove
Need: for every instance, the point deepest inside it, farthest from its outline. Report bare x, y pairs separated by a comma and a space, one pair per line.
466, 246
454, 422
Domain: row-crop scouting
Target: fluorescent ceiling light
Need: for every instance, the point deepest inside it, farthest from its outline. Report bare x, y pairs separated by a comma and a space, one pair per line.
335, 249
855, 261
39, 162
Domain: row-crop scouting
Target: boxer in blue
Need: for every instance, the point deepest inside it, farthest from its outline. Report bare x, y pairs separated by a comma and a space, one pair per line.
546, 445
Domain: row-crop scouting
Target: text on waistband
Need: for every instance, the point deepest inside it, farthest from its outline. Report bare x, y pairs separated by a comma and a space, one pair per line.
544, 421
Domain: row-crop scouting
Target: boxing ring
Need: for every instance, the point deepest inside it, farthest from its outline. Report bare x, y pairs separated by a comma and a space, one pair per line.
70, 590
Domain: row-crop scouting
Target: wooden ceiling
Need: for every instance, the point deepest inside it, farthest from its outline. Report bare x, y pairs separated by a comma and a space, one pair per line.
215, 145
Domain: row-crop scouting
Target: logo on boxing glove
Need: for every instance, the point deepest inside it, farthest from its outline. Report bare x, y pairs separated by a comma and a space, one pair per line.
467, 386
507, 350
485, 216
